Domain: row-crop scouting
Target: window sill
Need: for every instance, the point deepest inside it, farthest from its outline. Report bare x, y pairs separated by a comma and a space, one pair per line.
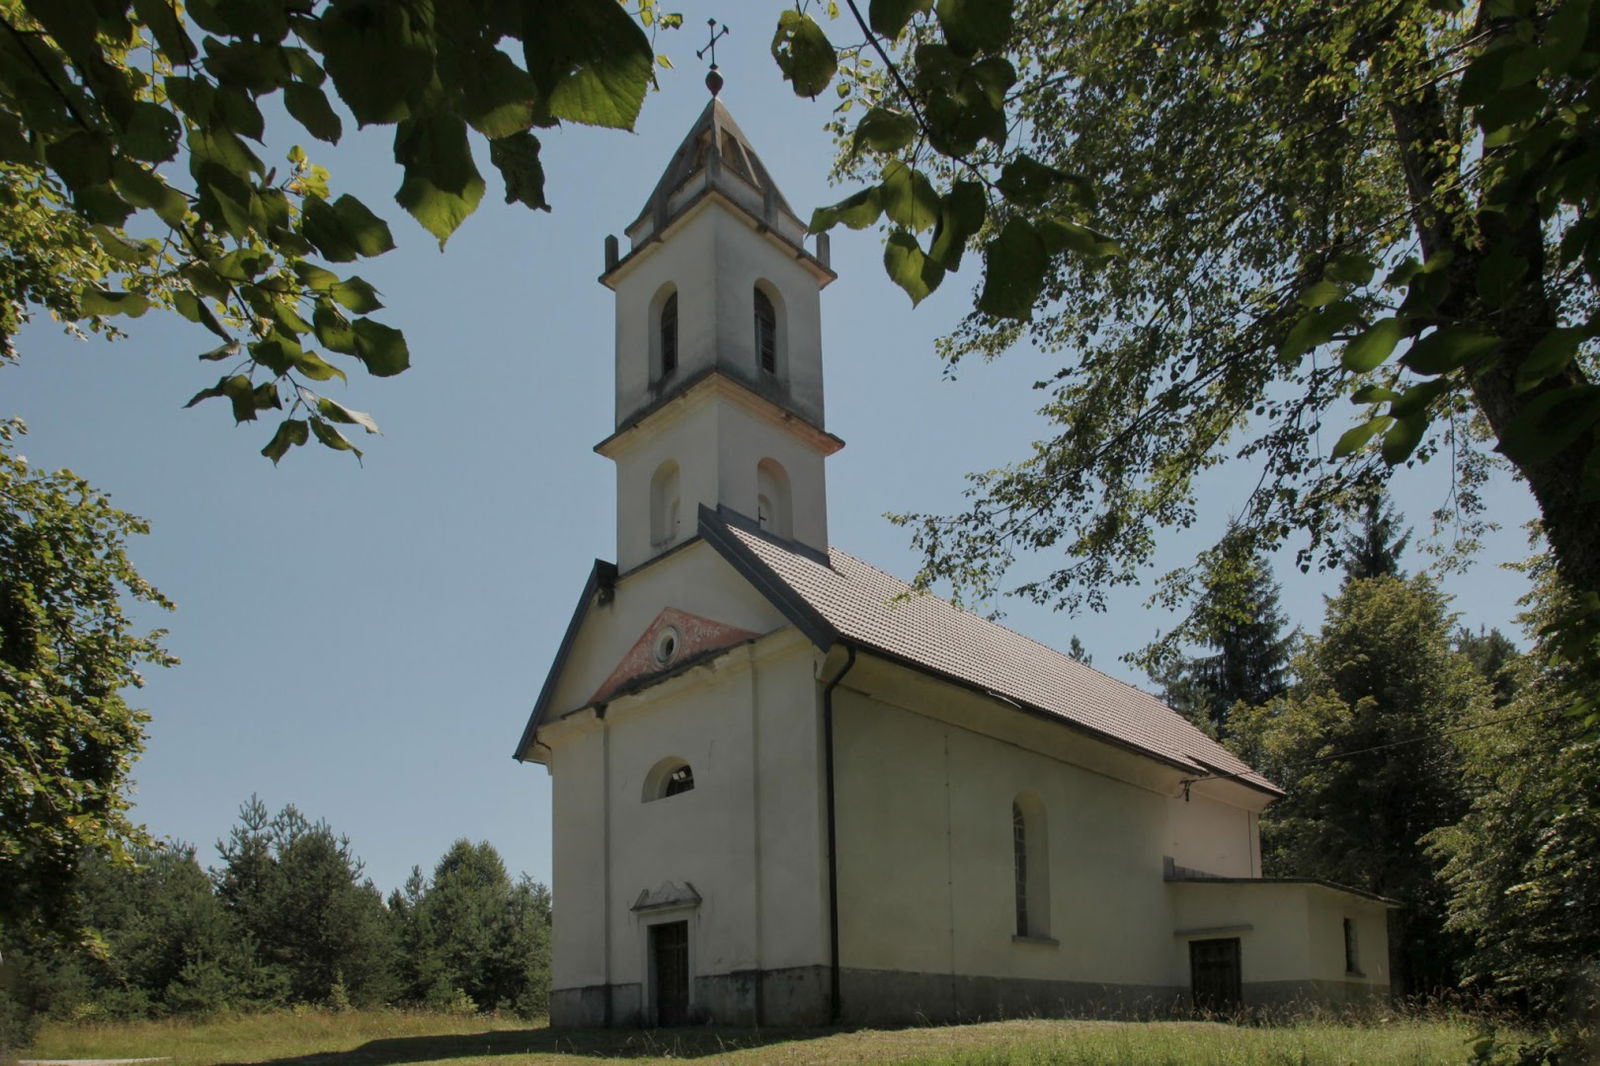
1042, 941
1356, 973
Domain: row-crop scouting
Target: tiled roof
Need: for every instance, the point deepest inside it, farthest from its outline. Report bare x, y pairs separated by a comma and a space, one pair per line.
862, 605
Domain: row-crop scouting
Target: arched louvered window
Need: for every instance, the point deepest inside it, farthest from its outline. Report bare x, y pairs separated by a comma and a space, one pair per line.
766, 333
669, 335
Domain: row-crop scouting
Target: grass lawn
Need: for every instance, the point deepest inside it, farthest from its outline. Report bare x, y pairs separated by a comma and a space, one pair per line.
371, 1038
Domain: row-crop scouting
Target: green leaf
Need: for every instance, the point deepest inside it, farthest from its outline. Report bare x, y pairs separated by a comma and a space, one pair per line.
961, 215
345, 229
1353, 440
517, 159
230, 350
1549, 356
1015, 262
858, 211
317, 368
1549, 424
1448, 348
442, 186
590, 61
1321, 294
1315, 328
333, 330
1373, 394
1484, 76
276, 351
976, 25
332, 438
804, 53
194, 309
379, 57
1403, 438
883, 130
150, 133
498, 97
1499, 273
908, 197
1351, 268
160, 17
1060, 234
334, 412
309, 106
382, 348
1418, 397
909, 268
1026, 182
1376, 343
356, 294
292, 432
889, 17
105, 302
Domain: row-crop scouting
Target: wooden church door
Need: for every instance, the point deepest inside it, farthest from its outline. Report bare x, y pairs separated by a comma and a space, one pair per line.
669, 961
1214, 975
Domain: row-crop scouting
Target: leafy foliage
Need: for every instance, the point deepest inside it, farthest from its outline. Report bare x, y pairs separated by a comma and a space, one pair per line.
1385, 203
1523, 865
100, 102
68, 737
1364, 745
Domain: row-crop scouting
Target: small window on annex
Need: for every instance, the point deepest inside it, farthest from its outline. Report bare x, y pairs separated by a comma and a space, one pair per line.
669, 777
1352, 958
766, 332
1030, 860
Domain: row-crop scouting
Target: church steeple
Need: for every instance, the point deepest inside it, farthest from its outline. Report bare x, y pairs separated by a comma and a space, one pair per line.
719, 351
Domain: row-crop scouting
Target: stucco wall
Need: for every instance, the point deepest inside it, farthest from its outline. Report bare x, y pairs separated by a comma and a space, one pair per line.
925, 862
747, 838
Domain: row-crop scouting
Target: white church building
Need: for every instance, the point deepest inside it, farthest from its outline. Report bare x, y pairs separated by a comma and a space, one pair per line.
789, 790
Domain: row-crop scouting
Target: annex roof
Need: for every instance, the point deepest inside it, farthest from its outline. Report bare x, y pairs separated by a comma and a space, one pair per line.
842, 598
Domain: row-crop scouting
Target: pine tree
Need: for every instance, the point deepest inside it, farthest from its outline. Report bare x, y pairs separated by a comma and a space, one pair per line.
1237, 616
1374, 550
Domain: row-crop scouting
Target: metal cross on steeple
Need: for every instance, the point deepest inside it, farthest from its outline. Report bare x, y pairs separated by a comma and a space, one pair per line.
713, 79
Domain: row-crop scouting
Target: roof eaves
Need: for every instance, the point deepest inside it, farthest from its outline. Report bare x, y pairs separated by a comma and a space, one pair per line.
602, 576
714, 530
1208, 879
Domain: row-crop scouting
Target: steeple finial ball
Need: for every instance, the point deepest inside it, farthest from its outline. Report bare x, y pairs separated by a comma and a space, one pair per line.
713, 79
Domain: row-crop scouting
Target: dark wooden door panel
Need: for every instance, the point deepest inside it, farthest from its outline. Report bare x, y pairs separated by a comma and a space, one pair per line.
1214, 975
669, 955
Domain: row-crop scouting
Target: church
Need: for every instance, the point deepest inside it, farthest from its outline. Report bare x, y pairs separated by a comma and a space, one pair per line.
789, 790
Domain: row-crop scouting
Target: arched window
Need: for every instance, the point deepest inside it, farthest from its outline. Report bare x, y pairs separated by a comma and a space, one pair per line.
766, 333
669, 334
1030, 859
668, 777
773, 509
664, 504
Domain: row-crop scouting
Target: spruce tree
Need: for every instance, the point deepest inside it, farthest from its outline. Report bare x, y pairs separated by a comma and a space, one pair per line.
1374, 549
1238, 618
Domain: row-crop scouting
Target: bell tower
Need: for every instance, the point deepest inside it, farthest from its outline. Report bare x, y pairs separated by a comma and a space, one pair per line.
718, 352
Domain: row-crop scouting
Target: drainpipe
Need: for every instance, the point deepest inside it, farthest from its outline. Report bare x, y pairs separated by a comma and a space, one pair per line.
833, 838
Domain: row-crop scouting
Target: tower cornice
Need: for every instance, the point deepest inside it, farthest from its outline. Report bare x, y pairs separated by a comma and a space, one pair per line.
710, 385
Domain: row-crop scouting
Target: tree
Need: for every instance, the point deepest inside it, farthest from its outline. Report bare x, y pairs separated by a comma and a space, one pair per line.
1374, 550
1310, 202
68, 653
1238, 616
318, 930
1522, 866
1364, 746
1496, 659
472, 932
1076, 650
99, 98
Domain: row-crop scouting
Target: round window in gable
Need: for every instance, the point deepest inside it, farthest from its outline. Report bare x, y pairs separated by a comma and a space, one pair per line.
668, 643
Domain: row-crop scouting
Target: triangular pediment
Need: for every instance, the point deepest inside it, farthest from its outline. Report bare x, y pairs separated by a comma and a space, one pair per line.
673, 638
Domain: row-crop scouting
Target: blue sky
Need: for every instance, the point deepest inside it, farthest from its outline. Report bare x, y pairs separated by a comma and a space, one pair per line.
366, 641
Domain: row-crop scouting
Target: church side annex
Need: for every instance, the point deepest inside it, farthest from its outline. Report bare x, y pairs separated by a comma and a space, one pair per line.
788, 790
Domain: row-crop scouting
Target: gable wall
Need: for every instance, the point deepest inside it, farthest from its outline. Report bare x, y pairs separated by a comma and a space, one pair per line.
748, 837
